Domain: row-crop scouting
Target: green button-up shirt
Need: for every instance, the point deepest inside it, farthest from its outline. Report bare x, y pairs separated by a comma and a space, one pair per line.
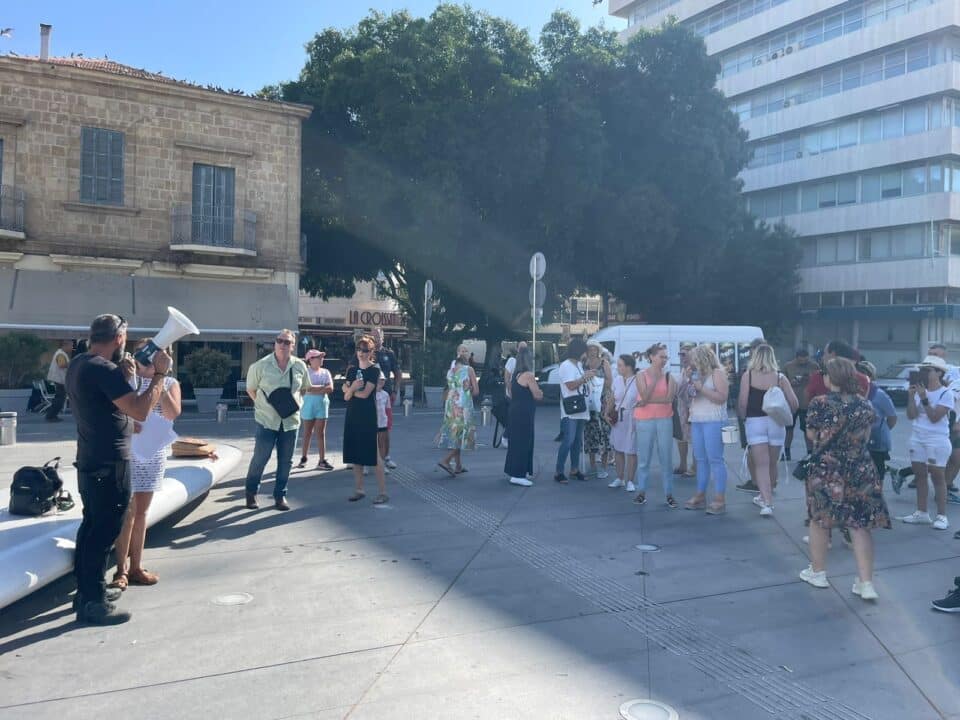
265, 376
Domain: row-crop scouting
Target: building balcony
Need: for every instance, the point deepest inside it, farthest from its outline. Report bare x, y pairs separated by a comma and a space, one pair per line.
213, 234
13, 203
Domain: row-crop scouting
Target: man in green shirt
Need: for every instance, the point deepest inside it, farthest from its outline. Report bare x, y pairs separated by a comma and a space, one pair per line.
279, 370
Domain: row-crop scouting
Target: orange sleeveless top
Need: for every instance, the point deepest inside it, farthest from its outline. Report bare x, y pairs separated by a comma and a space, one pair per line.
652, 410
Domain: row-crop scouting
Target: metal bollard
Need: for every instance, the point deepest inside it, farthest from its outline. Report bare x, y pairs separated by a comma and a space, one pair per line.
407, 406
221, 412
486, 410
8, 428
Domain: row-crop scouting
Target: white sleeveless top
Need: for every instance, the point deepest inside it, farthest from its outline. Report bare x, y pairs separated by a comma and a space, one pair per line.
703, 409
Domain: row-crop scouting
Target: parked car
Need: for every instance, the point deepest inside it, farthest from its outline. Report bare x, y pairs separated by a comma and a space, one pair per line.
549, 381
895, 380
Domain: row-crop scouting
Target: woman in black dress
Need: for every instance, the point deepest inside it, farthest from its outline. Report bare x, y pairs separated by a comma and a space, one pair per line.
525, 393
360, 424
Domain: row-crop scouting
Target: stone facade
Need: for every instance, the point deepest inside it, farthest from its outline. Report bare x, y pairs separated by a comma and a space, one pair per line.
167, 127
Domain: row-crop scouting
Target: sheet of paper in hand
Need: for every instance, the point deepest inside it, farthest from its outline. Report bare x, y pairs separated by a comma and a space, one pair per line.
156, 432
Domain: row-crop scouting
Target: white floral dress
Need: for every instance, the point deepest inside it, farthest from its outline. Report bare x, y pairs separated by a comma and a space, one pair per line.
147, 475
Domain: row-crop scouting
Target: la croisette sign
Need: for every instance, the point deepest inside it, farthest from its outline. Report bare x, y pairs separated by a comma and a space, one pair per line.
377, 318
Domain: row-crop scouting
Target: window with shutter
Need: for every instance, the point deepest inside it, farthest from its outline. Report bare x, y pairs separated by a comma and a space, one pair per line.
101, 166
213, 205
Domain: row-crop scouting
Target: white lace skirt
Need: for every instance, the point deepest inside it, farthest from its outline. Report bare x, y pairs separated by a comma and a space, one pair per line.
147, 475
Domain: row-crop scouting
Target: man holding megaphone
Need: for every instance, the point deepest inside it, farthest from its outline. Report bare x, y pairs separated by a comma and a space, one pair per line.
105, 406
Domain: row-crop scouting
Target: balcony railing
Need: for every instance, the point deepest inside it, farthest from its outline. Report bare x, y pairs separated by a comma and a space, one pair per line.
199, 232
12, 205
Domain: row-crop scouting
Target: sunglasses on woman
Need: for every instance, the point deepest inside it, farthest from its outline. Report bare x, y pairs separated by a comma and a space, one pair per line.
363, 349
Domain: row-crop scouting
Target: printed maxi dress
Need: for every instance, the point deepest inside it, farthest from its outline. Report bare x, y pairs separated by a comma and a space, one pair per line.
458, 431
843, 488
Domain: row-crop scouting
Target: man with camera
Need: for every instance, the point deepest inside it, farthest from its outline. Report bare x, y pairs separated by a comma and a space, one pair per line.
105, 405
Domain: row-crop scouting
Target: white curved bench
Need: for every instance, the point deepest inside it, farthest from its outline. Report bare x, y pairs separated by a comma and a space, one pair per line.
35, 551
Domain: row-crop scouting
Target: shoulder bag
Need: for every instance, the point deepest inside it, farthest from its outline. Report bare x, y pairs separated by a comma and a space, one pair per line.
614, 415
775, 405
577, 403
37, 490
803, 467
283, 401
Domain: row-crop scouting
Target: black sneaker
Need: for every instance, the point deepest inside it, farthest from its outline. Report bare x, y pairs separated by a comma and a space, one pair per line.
560, 478
578, 476
111, 594
749, 486
951, 603
786, 455
105, 613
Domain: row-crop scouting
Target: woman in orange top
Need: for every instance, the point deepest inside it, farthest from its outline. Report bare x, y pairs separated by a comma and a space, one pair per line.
653, 422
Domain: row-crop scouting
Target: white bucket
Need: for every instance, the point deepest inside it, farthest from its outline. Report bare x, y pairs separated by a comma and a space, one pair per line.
731, 435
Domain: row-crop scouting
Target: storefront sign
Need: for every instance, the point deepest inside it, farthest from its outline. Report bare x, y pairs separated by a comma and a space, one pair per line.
376, 318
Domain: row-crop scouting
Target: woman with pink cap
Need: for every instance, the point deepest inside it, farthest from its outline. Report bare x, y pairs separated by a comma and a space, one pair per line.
316, 407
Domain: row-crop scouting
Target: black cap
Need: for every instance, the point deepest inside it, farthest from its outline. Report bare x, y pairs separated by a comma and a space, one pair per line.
105, 328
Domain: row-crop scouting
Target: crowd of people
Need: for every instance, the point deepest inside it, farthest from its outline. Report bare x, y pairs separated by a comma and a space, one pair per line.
612, 412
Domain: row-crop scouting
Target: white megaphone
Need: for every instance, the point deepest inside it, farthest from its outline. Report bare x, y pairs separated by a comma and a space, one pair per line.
177, 326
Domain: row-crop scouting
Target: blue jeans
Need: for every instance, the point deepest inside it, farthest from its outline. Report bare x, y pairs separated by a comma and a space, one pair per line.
571, 442
708, 452
266, 440
648, 432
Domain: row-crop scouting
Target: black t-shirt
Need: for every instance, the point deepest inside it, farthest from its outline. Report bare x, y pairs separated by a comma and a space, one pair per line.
362, 412
387, 361
103, 432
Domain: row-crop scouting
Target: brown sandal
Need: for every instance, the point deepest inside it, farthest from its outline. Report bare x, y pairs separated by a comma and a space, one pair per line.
143, 577
120, 580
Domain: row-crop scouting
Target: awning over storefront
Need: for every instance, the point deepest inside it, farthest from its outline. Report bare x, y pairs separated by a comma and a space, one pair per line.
58, 304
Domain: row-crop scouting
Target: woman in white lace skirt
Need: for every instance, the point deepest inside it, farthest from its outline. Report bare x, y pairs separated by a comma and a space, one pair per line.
146, 479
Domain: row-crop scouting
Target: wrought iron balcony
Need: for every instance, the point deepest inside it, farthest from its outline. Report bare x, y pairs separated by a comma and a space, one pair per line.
199, 232
12, 206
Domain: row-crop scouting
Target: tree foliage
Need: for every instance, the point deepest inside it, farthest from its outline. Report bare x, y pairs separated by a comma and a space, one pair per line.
452, 147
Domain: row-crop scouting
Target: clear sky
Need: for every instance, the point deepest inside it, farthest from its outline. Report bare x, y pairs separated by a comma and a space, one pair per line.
241, 44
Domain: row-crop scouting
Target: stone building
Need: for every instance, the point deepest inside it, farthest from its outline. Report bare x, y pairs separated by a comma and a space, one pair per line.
125, 191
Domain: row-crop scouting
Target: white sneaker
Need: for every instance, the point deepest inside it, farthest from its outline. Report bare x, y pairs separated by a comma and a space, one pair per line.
366, 470
817, 579
916, 518
504, 443
630, 486
386, 469
616, 483
941, 523
603, 475
766, 511
388, 461
865, 590
523, 482
758, 500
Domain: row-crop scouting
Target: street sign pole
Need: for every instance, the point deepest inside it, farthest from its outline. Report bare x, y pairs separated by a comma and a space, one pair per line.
427, 297
538, 266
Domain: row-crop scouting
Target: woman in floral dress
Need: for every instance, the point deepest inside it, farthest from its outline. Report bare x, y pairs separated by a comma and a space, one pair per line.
458, 431
843, 487
596, 433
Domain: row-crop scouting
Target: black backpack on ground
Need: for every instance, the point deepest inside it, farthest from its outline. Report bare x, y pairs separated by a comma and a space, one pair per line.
37, 490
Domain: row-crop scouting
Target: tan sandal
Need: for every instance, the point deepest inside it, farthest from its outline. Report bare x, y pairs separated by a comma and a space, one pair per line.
120, 580
693, 504
716, 508
143, 577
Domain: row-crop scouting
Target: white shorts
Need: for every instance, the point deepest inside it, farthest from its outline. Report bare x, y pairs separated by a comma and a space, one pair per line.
932, 450
763, 430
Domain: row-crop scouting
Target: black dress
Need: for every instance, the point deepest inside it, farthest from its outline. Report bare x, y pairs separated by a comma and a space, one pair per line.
519, 460
360, 424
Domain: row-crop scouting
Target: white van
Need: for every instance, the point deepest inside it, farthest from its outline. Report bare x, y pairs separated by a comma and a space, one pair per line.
731, 342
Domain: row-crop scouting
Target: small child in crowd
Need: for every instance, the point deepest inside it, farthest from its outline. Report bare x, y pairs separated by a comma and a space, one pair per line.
383, 421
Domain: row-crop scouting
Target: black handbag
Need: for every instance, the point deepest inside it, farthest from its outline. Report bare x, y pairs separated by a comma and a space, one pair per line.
283, 401
37, 490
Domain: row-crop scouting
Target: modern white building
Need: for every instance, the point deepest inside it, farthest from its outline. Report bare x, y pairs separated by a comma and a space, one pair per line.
853, 115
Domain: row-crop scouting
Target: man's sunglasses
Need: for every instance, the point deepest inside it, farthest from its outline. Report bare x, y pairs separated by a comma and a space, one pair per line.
283, 341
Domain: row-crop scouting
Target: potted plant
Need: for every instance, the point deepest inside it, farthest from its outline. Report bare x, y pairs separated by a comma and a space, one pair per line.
19, 365
208, 370
430, 368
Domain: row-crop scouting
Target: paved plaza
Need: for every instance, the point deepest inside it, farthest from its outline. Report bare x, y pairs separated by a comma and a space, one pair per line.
472, 598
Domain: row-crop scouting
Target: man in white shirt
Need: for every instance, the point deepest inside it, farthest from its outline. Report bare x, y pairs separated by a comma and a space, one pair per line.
57, 374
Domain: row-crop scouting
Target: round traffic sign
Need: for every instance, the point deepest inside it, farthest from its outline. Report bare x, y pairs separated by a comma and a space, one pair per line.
428, 289
538, 266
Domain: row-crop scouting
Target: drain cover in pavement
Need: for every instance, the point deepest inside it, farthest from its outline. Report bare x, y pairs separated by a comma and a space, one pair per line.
647, 710
648, 548
233, 599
